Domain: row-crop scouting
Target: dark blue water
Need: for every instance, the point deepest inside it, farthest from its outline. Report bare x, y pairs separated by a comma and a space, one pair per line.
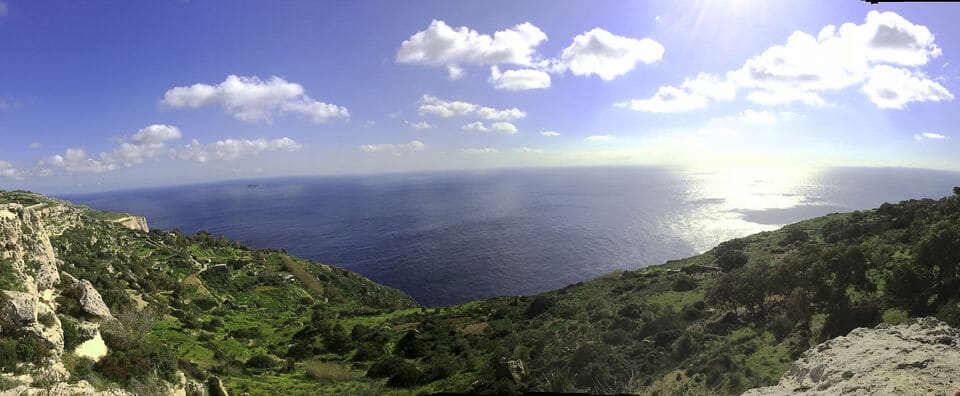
447, 238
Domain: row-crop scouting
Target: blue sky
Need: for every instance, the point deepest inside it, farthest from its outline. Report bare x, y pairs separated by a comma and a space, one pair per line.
99, 95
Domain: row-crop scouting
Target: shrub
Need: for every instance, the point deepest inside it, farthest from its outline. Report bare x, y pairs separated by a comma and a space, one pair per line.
30, 348
327, 371
407, 376
8, 355
367, 351
261, 361
895, 316
684, 283
539, 305
386, 367
47, 319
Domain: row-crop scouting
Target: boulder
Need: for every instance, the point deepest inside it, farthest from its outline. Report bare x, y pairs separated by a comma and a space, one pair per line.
87, 296
512, 370
19, 310
920, 357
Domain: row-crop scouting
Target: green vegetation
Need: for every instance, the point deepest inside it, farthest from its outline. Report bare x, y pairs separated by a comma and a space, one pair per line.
721, 322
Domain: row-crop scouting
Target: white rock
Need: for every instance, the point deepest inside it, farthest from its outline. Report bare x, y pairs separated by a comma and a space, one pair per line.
920, 357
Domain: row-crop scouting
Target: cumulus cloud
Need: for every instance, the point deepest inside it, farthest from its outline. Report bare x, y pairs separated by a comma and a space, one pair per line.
692, 94
480, 151
894, 87
231, 149
530, 150
149, 142
431, 105
549, 133
421, 125
519, 80
395, 149
606, 55
442, 45
882, 56
8, 170
598, 138
596, 52
251, 99
929, 136
498, 127
35, 146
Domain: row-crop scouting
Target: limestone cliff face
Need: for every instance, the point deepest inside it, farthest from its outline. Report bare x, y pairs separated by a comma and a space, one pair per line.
921, 357
134, 223
32, 273
24, 240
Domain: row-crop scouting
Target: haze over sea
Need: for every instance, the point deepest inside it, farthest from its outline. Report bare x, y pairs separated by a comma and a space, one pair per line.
447, 238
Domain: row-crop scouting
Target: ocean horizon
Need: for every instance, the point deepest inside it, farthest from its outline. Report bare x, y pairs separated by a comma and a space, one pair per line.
450, 237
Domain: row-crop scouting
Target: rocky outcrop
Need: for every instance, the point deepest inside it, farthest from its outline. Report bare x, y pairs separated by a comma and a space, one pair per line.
63, 389
921, 357
138, 223
87, 296
24, 240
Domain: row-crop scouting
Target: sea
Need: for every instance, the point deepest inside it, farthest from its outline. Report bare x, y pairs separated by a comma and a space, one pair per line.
450, 237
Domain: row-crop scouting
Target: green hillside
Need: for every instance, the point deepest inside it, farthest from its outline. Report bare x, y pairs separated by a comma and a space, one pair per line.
265, 322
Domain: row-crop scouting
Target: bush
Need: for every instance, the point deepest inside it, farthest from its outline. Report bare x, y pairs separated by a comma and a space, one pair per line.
47, 319
71, 333
684, 283
407, 376
261, 361
539, 305
32, 349
327, 371
895, 316
386, 367
8, 355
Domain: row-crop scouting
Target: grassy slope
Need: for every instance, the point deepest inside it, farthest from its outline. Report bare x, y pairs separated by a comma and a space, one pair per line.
652, 330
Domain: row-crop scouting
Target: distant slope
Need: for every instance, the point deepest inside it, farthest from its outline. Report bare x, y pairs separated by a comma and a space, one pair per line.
264, 322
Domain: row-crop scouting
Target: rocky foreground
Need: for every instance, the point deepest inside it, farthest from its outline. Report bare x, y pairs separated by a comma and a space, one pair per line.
921, 357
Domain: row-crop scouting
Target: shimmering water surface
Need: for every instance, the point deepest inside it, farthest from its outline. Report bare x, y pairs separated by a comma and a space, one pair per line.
447, 238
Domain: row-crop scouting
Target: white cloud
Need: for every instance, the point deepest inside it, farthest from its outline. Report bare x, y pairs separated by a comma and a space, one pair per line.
498, 127
442, 45
35, 145
475, 127
518, 80
530, 150
606, 55
549, 133
231, 149
395, 149
251, 99
929, 136
504, 127
893, 87
8, 170
421, 125
454, 72
596, 52
147, 143
431, 105
881, 55
598, 138
690, 95
480, 151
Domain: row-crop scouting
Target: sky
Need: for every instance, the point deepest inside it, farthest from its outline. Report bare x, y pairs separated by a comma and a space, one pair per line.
106, 95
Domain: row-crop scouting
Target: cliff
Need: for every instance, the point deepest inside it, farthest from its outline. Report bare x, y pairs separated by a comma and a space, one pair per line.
921, 357
138, 223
